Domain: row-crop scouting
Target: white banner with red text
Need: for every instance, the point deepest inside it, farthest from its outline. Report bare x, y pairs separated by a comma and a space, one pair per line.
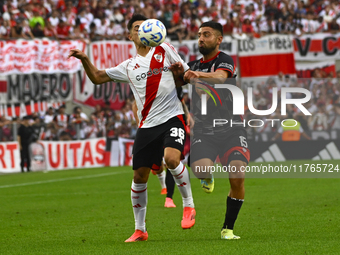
9, 157
104, 54
38, 56
62, 155
266, 56
317, 47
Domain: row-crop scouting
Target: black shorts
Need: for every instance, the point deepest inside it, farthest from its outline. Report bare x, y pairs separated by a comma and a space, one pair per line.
148, 149
231, 146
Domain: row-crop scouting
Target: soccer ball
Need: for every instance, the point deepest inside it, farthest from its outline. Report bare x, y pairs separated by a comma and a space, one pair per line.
152, 32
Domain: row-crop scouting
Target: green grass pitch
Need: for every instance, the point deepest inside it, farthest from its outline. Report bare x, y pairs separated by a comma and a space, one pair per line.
89, 211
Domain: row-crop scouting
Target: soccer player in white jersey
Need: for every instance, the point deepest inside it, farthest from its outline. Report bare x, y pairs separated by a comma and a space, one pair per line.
162, 126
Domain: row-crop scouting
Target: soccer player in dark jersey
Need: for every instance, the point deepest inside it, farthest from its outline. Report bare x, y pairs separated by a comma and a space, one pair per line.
226, 141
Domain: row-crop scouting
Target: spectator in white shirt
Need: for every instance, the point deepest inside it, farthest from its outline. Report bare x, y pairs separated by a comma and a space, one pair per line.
114, 31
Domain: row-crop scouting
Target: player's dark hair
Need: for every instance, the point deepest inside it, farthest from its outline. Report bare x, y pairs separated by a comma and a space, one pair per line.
214, 25
135, 17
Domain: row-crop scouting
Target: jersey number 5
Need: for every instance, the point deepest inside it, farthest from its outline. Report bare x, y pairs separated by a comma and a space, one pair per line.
243, 141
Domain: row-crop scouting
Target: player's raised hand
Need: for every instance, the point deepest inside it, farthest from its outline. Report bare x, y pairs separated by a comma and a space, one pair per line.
77, 54
177, 69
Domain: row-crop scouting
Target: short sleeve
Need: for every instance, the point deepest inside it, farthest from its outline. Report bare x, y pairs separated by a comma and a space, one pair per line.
119, 72
173, 55
225, 62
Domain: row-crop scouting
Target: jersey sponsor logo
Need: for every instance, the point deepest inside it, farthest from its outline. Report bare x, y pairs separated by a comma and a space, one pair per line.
158, 57
151, 72
225, 65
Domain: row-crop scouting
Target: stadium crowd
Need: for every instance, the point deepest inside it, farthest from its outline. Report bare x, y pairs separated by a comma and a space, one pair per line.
324, 105
92, 20
55, 124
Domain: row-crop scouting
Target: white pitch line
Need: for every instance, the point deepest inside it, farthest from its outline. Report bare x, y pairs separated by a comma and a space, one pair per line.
60, 180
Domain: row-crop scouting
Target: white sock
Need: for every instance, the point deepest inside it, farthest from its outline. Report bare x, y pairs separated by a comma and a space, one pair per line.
161, 178
182, 179
139, 199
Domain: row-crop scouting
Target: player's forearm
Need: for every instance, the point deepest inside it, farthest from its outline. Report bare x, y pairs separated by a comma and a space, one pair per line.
179, 82
213, 77
91, 71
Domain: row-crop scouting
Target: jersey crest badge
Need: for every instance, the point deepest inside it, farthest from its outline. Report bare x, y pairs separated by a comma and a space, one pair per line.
159, 57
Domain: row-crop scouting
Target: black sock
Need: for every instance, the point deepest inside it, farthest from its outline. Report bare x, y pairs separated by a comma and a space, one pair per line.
233, 208
170, 184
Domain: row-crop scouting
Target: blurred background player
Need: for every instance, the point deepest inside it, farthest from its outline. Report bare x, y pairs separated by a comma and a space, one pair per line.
161, 120
227, 142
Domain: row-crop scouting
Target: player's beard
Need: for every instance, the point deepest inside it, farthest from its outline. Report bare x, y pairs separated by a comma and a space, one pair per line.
205, 50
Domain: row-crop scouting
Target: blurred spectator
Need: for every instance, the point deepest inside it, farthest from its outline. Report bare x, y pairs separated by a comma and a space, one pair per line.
24, 140
319, 121
123, 130
5, 129
51, 131
36, 19
61, 120
91, 130
114, 31
78, 120
63, 29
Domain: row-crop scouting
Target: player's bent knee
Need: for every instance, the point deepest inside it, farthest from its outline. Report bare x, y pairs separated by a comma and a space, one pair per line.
172, 162
237, 167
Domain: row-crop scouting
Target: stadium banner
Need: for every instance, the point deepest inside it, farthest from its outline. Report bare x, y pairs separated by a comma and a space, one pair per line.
333, 134
17, 88
16, 110
62, 155
266, 56
125, 151
282, 151
9, 157
104, 54
306, 69
38, 56
316, 47
188, 49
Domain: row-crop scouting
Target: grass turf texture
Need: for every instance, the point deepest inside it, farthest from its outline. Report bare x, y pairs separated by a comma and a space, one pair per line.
89, 211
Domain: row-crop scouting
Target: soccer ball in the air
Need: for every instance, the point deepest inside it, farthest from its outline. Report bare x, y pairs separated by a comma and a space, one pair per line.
152, 32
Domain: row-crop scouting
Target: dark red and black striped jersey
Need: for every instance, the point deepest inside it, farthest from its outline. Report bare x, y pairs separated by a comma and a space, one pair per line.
221, 105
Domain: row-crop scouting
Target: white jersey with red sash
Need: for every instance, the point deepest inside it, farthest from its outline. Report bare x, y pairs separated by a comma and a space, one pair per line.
152, 84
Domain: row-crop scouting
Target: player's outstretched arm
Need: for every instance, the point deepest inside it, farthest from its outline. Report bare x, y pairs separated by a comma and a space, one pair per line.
219, 76
95, 75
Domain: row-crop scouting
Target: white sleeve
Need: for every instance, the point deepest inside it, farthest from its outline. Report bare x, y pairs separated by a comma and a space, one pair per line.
173, 55
119, 72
